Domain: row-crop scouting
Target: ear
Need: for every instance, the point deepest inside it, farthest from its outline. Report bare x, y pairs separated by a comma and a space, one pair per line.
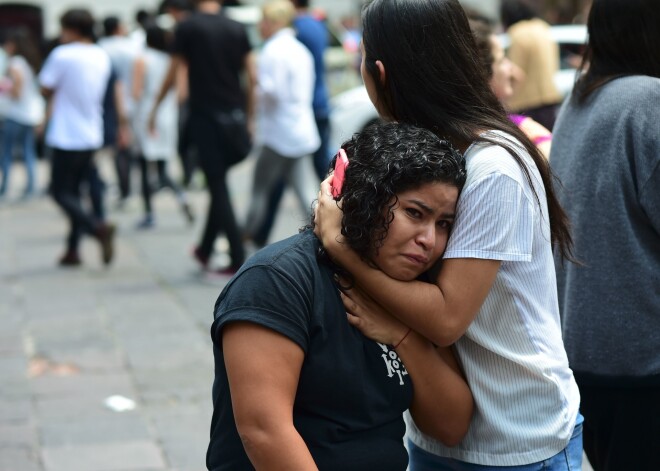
381, 72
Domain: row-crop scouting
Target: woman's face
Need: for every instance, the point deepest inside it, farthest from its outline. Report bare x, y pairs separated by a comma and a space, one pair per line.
418, 233
502, 80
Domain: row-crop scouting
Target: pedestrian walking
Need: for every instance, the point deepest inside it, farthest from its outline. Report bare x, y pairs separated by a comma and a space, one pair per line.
25, 110
156, 147
217, 53
287, 132
313, 33
74, 78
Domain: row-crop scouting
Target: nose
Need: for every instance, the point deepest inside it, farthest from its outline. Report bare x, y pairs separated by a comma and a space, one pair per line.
426, 236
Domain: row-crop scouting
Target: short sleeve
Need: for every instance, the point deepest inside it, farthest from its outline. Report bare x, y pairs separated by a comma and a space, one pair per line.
495, 221
268, 297
50, 73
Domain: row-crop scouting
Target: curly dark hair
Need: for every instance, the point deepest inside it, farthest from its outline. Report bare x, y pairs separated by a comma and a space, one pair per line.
386, 159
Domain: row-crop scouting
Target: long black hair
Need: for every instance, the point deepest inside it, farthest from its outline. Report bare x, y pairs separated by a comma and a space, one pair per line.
434, 79
624, 39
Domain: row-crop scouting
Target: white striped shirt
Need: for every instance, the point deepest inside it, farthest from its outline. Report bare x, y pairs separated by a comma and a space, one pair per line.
526, 400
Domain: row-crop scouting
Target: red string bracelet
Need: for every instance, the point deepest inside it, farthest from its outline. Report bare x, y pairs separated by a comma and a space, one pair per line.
404, 338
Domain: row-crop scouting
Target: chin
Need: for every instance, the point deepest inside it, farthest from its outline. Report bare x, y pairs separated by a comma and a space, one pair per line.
404, 275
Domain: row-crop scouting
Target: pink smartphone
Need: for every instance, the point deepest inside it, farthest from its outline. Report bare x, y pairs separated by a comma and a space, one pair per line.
338, 175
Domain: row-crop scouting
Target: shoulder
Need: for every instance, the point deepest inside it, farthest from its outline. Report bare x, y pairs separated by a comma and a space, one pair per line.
637, 89
17, 61
277, 276
630, 100
294, 257
485, 158
59, 52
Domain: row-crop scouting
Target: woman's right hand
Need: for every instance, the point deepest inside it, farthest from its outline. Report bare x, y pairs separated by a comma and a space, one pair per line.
327, 219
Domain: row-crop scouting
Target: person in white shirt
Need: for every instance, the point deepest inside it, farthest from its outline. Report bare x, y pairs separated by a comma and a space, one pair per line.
494, 296
25, 108
74, 78
286, 128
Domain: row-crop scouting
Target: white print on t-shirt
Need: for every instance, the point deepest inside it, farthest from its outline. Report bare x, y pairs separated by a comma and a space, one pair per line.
393, 363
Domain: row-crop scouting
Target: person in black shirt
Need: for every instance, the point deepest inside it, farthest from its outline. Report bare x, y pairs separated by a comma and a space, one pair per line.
297, 385
217, 53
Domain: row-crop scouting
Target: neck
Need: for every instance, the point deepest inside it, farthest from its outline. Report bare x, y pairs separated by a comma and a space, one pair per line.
208, 6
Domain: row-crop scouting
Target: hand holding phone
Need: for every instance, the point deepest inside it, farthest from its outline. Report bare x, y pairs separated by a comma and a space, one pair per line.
341, 162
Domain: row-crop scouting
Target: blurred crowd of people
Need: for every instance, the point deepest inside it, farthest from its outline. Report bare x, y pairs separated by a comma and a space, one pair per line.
186, 83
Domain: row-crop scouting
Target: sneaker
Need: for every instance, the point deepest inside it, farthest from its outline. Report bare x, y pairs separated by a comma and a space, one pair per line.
105, 235
147, 223
70, 259
202, 259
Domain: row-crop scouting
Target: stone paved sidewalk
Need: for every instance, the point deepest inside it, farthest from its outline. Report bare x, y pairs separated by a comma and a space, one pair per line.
72, 338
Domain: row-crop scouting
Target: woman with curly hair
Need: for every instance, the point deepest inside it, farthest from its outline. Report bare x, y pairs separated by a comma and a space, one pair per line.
297, 386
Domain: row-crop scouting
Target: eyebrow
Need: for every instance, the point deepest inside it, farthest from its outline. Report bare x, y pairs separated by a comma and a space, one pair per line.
429, 210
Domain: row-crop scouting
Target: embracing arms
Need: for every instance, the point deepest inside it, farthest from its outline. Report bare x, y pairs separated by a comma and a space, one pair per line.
441, 311
442, 403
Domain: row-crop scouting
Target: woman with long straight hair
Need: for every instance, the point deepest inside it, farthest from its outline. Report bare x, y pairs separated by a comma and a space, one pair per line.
494, 295
607, 154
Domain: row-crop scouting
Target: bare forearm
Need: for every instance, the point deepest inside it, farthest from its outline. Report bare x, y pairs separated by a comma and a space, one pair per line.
251, 79
442, 403
417, 304
279, 448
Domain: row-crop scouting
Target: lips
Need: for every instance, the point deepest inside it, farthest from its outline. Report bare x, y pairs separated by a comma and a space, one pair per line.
418, 259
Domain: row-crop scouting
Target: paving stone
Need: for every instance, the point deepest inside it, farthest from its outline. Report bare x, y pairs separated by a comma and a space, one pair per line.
15, 410
19, 459
126, 456
54, 409
118, 427
17, 435
88, 384
12, 366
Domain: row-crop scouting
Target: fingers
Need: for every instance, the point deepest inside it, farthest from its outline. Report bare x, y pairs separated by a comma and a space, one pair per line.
326, 187
350, 305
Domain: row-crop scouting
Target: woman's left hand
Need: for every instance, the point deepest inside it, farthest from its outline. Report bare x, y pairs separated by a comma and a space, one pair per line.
371, 319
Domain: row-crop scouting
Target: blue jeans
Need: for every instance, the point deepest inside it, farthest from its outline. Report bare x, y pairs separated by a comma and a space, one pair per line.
16, 133
569, 459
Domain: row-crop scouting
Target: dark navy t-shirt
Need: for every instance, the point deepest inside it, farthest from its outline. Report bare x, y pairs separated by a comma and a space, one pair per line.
352, 391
